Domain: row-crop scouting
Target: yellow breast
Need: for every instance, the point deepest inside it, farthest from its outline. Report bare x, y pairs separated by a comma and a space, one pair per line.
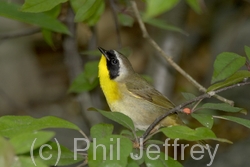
109, 87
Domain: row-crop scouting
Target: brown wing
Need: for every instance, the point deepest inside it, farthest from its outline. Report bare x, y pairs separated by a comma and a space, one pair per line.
144, 90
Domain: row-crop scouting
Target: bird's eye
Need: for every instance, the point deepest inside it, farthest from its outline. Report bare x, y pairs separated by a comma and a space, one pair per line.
114, 61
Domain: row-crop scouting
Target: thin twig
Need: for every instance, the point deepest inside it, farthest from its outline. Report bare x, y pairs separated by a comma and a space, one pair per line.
169, 58
84, 135
20, 33
112, 5
179, 107
196, 105
136, 138
85, 162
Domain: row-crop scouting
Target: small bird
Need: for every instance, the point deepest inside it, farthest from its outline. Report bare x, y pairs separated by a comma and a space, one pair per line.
127, 92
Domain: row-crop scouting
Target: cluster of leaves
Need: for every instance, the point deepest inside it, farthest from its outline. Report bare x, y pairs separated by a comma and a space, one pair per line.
227, 71
44, 13
25, 137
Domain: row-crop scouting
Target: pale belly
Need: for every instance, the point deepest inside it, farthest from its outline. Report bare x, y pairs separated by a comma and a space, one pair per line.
141, 112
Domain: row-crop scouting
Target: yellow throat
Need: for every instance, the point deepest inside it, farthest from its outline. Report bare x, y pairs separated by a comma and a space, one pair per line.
109, 87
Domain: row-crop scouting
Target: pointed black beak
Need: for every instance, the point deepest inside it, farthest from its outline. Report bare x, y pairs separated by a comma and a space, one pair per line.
104, 52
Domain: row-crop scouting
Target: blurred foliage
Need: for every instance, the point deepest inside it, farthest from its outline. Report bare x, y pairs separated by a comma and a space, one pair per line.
11, 10
87, 80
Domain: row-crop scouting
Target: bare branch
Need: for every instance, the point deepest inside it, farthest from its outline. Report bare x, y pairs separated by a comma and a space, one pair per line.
169, 58
72, 58
179, 107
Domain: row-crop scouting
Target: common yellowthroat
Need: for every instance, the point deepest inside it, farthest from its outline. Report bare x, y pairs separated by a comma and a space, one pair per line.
127, 92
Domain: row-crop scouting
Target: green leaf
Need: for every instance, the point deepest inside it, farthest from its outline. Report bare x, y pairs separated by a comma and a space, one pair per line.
47, 35
88, 10
188, 96
24, 142
91, 70
226, 64
160, 160
87, 80
66, 156
127, 133
139, 132
159, 23
132, 163
117, 117
111, 150
241, 121
247, 50
186, 133
154, 142
157, 7
221, 107
194, 4
101, 130
7, 153
54, 12
205, 119
77, 4
171, 162
206, 111
125, 20
11, 126
36, 6
95, 18
11, 10
136, 157
26, 161
235, 78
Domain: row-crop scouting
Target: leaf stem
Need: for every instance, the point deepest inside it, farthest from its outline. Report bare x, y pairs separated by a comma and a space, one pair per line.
84, 135
196, 105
